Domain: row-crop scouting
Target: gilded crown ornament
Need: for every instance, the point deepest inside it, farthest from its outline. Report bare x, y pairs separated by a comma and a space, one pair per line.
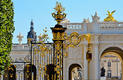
110, 18
59, 14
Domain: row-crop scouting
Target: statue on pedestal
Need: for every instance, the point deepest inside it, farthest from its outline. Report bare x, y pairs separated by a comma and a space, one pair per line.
102, 72
110, 18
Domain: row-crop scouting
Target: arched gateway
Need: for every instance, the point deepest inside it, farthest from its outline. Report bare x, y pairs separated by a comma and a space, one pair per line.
75, 72
114, 56
30, 72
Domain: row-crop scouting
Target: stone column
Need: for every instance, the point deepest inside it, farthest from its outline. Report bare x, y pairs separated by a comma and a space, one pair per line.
85, 27
122, 69
97, 59
94, 73
85, 61
96, 27
65, 69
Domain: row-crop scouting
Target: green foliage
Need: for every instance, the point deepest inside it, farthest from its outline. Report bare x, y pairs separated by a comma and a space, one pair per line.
6, 32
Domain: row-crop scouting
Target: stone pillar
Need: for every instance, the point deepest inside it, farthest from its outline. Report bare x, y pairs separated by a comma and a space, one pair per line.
96, 27
95, 62
122, 69
97, 59
85, 27
66, 71
85, 61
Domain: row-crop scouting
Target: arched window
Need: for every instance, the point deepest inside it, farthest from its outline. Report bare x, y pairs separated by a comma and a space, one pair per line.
75, 72
29, 72
10, 73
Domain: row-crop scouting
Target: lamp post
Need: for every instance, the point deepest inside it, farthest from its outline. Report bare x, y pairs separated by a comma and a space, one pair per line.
58, 38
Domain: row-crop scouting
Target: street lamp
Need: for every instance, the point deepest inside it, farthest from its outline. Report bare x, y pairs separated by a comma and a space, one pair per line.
58, 38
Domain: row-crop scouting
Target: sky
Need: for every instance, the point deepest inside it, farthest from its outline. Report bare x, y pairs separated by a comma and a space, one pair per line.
40, 12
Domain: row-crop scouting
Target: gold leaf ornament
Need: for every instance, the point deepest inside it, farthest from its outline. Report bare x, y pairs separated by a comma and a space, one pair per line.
74, 39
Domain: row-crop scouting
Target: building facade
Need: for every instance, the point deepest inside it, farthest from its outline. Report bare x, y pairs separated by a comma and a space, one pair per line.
106, 39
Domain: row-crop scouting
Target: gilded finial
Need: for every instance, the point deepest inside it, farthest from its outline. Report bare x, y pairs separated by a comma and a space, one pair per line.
59, 15
110, 18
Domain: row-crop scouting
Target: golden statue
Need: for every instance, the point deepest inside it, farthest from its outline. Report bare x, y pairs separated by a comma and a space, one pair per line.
110, 18
59, 15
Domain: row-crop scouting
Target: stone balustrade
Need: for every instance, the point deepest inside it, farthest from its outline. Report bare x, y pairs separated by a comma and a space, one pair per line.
16, 47
99, 27
110, 27
73, 25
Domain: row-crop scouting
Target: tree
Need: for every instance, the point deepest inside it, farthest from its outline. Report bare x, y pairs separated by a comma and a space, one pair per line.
6, 32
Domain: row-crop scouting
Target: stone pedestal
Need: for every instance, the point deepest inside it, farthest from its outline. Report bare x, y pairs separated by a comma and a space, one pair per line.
103, 78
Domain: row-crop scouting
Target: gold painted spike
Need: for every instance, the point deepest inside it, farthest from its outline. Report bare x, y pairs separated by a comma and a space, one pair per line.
110, 18
59, 15
59, 7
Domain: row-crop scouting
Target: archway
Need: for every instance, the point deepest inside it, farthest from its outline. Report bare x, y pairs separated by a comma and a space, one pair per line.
75, 72
10, 73
111, 63
30, 72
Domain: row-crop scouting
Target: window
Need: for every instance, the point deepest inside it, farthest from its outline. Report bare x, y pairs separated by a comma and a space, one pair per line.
109, 73
109, 64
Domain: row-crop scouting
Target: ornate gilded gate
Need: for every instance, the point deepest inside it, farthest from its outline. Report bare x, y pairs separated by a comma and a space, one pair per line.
10, 73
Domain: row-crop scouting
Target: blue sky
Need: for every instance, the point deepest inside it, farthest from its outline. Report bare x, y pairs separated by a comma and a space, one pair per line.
40, 11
